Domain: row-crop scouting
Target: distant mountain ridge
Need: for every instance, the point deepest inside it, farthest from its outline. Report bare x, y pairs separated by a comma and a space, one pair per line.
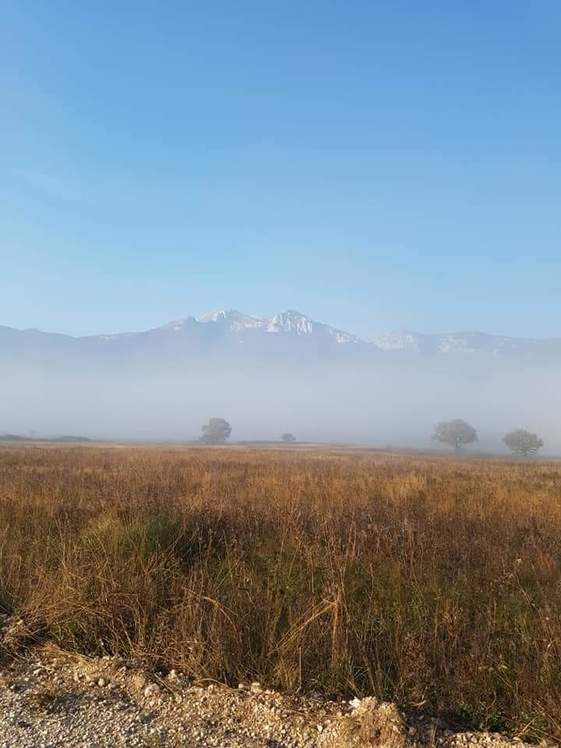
289, 335
461, 342
290, 322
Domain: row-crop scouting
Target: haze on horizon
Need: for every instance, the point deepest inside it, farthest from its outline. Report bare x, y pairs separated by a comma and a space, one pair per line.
388, 407
266, 377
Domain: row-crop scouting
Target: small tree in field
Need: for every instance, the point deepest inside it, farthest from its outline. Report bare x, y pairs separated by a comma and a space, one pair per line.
216, 431
288, 438
456, 433
523, 443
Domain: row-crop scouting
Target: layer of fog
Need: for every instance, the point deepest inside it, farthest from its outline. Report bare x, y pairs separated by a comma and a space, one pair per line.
378, 405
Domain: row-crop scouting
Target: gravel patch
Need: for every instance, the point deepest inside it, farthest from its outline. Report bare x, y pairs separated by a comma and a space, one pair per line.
50, 699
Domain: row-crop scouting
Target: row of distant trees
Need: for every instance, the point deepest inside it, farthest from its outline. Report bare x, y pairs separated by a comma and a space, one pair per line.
456, 433
459, 434
218, 430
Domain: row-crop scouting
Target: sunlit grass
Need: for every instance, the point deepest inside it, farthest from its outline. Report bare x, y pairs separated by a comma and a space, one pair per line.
435, 583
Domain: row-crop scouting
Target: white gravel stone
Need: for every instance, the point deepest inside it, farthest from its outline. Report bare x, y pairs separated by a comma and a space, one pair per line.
151, 690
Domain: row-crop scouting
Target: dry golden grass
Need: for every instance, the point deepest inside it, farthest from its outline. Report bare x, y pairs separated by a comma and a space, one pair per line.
430, 582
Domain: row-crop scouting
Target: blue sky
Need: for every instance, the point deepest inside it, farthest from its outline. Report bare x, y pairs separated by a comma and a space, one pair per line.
377, 165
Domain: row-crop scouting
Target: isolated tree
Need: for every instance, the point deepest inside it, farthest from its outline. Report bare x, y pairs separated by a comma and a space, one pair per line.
216, 431
456, 433
523, 443
288, 438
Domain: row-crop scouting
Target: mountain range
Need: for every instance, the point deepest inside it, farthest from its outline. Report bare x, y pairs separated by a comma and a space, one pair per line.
289, 336
267, 375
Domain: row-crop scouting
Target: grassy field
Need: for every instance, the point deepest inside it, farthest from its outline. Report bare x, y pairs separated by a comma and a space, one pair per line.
432, 582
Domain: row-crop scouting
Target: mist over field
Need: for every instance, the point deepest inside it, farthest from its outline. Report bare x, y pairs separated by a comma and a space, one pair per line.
379, 404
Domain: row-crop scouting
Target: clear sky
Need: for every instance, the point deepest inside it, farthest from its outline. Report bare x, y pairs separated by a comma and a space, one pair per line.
376, 165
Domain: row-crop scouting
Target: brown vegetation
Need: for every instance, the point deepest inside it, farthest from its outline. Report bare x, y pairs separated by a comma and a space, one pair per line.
434, 583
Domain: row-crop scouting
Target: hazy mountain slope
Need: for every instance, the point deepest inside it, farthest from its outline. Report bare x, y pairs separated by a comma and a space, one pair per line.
225, 336
230, 335
466, 343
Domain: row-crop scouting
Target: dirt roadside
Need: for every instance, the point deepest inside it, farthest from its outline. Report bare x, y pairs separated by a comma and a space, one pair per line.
49, 699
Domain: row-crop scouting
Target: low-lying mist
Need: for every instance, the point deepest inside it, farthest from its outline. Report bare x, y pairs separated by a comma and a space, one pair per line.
386, 404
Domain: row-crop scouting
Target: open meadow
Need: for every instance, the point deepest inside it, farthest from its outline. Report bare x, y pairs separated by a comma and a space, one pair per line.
432, 582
